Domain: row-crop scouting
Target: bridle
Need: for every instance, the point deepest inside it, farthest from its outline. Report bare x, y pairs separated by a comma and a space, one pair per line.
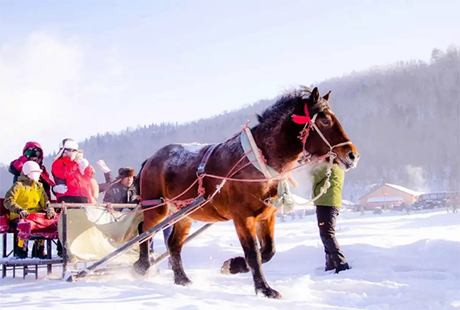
310, 124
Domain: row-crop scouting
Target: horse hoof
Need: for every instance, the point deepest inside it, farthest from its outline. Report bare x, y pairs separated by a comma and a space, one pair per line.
269, 293
225, 269
183, 281
141, 268
234, 265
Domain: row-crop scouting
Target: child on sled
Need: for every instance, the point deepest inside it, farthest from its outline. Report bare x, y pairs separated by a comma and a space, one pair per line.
26, 196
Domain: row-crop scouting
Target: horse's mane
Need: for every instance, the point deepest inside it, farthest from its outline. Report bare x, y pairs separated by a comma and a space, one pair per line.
284, 106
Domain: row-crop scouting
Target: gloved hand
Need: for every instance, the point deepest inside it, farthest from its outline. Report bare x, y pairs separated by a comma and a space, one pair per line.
50, 213
101, 164
82, 165
60, 189
110, 207
78, 157
24, 213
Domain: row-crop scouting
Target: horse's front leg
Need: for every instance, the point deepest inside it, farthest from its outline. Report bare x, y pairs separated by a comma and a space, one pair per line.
246, 230
265, 228
175, 244
266, 235
151, 218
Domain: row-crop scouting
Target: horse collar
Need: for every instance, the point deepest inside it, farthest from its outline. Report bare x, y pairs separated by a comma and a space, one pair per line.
251, 149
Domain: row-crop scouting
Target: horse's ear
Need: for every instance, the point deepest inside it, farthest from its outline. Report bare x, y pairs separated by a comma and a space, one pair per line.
327, 96
260, 118
315, 95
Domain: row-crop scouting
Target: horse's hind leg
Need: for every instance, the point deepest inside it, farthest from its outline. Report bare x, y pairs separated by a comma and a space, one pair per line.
265, 229
246, 230
175, 244
151, 218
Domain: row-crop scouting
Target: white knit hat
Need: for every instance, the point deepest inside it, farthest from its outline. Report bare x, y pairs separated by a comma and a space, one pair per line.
30, 166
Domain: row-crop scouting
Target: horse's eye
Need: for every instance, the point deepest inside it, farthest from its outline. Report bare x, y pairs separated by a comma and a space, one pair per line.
325, 121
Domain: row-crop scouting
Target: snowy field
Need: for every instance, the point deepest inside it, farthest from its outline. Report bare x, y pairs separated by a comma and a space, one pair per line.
399, 262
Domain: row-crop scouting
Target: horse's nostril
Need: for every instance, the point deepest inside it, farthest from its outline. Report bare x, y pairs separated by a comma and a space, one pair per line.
351, 156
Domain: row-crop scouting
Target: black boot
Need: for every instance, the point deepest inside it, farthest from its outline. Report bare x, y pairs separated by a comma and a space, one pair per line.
38, 249
342, 267
59, 248
21, 252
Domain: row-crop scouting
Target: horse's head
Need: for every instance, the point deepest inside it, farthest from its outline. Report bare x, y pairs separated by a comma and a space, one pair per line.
325, 133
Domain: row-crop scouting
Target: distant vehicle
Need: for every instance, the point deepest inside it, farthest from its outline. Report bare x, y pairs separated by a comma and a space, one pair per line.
436, 200
399, 207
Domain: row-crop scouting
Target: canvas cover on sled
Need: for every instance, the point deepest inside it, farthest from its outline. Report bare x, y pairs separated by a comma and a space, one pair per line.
94, 232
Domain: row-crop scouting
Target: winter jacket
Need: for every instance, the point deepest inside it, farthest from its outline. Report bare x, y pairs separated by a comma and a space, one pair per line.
65, 171
118, 193
91, 184
16, 167
333, 196
26, 194
108, 181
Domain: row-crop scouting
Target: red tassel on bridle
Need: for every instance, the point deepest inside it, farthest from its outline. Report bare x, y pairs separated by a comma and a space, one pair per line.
302, 120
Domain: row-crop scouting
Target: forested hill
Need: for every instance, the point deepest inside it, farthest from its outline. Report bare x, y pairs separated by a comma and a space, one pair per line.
403, 118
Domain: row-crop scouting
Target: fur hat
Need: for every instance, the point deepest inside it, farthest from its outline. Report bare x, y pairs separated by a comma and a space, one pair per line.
126, 172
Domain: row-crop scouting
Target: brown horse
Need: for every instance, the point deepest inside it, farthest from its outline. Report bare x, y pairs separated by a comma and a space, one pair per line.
173, 168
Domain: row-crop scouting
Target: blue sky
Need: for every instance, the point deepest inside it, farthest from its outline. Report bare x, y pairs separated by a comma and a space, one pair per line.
78, 68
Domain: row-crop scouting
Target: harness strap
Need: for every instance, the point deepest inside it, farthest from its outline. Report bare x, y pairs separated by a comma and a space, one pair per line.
183, 203
204, 160
324, 138
150, 203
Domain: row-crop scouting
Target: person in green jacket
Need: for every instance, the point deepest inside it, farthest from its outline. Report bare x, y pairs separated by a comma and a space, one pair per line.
327, 210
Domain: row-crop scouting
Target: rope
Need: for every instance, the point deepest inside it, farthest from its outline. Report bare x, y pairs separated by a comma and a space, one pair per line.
201, 190
285, 196
283, 187
284, 193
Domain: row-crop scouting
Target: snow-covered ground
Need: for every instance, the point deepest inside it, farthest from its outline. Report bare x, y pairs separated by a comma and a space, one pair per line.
399, 262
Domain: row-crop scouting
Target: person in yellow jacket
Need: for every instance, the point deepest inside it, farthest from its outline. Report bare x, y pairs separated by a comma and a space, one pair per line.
26, 196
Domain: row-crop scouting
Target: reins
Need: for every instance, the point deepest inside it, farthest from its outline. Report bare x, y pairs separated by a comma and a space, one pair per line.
309, 125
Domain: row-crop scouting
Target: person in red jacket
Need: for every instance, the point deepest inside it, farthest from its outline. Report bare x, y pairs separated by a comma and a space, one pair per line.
69, 169
32, 151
